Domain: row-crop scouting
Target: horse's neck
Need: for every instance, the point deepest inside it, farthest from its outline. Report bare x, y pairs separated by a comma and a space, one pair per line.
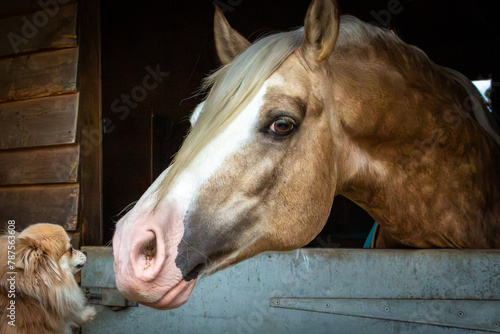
418, 165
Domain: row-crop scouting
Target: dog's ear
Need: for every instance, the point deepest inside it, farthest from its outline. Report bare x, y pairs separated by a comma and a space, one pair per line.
33, 256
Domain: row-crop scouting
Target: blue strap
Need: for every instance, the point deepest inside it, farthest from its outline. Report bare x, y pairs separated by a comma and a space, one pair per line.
370, 240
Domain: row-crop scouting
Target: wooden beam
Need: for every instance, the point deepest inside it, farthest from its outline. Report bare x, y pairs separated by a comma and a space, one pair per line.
89, 122
39, 74
57, 164
10, 8
39, 30
38, 122
57, 204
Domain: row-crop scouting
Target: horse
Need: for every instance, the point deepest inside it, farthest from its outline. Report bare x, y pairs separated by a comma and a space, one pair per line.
294, 119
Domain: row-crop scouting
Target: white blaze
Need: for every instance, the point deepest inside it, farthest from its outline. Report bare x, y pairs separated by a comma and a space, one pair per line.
212, 156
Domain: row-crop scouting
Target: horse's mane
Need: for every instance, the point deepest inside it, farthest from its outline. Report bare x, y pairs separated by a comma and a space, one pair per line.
231, 88
413, 62
234, 85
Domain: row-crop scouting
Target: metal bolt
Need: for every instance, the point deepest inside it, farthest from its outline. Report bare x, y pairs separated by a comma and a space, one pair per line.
327, 305
277, 302
496, 324
387, 309
460, 314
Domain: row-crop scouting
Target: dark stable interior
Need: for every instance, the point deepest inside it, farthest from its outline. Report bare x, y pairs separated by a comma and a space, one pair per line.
144, 126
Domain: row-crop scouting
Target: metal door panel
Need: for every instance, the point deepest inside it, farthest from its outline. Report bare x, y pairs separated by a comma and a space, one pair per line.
237, 300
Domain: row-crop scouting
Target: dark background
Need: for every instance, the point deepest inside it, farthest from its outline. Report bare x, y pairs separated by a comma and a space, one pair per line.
177, 36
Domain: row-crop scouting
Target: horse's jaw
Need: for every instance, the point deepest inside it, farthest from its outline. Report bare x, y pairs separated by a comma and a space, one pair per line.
175, 297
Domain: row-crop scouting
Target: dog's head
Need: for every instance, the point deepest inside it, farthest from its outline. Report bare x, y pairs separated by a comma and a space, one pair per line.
45, 251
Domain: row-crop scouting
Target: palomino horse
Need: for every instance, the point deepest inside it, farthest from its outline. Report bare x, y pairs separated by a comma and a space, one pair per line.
338, 107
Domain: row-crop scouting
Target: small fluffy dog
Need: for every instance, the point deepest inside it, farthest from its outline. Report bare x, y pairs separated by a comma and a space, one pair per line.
46, 297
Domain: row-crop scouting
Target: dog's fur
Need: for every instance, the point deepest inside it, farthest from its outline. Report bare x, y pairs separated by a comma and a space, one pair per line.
47, 297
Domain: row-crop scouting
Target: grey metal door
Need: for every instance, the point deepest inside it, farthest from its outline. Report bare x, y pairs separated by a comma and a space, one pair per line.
319, 291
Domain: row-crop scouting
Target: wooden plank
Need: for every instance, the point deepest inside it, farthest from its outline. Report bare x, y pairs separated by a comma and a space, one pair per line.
9, 8
56, 204
39, 122
51, 29
42, 165
89, 120
39, 74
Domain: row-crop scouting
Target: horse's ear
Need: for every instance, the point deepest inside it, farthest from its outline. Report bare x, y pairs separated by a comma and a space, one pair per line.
229, 42
321, 29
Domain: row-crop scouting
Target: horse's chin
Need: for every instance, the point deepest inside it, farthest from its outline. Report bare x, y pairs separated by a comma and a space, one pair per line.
175, 297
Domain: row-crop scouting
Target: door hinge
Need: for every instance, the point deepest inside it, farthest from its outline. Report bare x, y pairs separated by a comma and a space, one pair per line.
107, 297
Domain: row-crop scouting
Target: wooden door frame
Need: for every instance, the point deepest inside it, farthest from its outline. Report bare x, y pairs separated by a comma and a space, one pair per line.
89, 122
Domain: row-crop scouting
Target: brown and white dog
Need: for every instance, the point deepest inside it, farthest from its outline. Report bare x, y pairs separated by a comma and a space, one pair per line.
38, 292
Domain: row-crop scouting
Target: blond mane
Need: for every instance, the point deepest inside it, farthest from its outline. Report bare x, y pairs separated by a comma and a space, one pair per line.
231, 88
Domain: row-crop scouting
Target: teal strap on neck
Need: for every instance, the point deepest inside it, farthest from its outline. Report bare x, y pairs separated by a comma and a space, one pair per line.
370, 240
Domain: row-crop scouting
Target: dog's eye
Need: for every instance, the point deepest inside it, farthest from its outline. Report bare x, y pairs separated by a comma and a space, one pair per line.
70, 250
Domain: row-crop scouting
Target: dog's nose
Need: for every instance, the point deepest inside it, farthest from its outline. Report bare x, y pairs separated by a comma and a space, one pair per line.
84, 252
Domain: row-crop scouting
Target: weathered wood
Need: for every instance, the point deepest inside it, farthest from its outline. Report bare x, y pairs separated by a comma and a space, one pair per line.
89, 120
39, 74
39, 122
56, 204
40, 30
75, 239
15, 7
57, 164
75, 242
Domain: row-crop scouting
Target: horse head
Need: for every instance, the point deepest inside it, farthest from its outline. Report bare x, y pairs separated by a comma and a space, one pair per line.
255, 173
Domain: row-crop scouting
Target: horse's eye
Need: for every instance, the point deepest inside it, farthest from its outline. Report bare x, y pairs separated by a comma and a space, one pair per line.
282, 126
70, 250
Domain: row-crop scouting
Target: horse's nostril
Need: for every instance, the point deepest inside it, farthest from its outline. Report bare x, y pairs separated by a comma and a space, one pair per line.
148, 251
